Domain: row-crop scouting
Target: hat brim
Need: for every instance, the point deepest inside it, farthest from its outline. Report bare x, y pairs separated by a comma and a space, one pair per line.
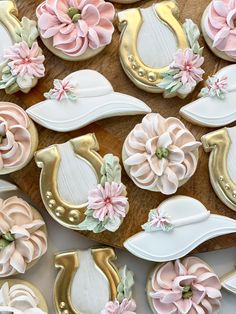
69, 115
163, 246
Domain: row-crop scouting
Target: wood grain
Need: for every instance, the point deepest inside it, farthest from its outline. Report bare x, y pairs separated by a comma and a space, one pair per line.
112, 132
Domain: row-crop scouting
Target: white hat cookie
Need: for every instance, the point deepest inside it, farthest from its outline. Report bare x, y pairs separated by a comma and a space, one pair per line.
21, 58
180, 224
218, 27
157, 52
83, 273
221, 144
19, 296
160, 154
81, 98
98, 201
215, 107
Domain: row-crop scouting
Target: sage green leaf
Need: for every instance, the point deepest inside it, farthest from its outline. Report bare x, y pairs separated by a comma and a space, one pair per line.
126, 284
111, 169
29, 31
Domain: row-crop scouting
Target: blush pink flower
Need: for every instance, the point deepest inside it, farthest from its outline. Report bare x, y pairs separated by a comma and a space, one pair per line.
126, 307
108, 201
187, 287
25, 61
75, 25
63, 89
189, 66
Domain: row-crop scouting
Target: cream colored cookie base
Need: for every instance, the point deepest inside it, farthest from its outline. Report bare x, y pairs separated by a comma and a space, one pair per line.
42, 303
87, 55
34, 145
209, 41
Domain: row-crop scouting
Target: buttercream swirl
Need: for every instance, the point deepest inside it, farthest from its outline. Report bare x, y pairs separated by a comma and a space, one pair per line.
28, 241
188, 286
76, 25
19, 299
220, 25
159, 153
15, 139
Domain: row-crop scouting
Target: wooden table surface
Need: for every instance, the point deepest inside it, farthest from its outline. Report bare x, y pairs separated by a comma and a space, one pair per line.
112, 132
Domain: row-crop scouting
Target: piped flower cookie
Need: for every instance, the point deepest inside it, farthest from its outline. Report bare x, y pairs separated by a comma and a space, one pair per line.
218, 27
97, 203
75, 30
160, 154
157, 52
21, 58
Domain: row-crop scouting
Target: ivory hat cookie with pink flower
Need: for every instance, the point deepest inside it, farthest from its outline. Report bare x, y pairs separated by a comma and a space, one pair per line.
157, 52
98, 201
160, 154
75, 30
18, 138
81, 98
180, 224
184, 286
21, 58
218, 27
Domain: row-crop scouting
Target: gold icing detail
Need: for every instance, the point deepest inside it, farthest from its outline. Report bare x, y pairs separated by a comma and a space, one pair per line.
130, 22
225, 278
68, 263
218, 144
48, 159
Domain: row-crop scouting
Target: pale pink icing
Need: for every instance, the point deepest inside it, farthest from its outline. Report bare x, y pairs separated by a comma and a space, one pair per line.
19, 299
220, 25
93, 29
30, 242
145, 168
15, 143
168, 282
125, 307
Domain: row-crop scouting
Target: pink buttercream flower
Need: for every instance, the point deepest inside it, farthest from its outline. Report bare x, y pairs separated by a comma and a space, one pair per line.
27, 241
187, 287
220, 25
75, 25
189, 66
25, 61
125, 307
63, 89
108, 201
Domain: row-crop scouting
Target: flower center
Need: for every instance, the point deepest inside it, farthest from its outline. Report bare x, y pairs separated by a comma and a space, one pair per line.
74, 14
26, 60
108, 200
187, 292
6, 239
162, 153
187, 67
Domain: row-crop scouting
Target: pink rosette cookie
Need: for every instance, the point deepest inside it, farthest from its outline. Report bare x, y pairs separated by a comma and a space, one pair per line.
18, 138
160, 154
75, 30
218, 26
23, 238
189, 286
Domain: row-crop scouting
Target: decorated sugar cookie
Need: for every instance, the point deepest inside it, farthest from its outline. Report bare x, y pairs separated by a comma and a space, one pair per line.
218, 27
82, 98
184, 286
221, 146
180, 224
75, 30
21, 58
18, 138
215, 107
228, 281
18, 296
160, 154
98, 201
83, 273
157, 52
125, 1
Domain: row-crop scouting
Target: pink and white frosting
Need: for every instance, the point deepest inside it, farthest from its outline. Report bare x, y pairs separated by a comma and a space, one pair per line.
22, 235
159, 153
125, 307
18, 299
187, 287
220, 24
76, 25
15, 139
